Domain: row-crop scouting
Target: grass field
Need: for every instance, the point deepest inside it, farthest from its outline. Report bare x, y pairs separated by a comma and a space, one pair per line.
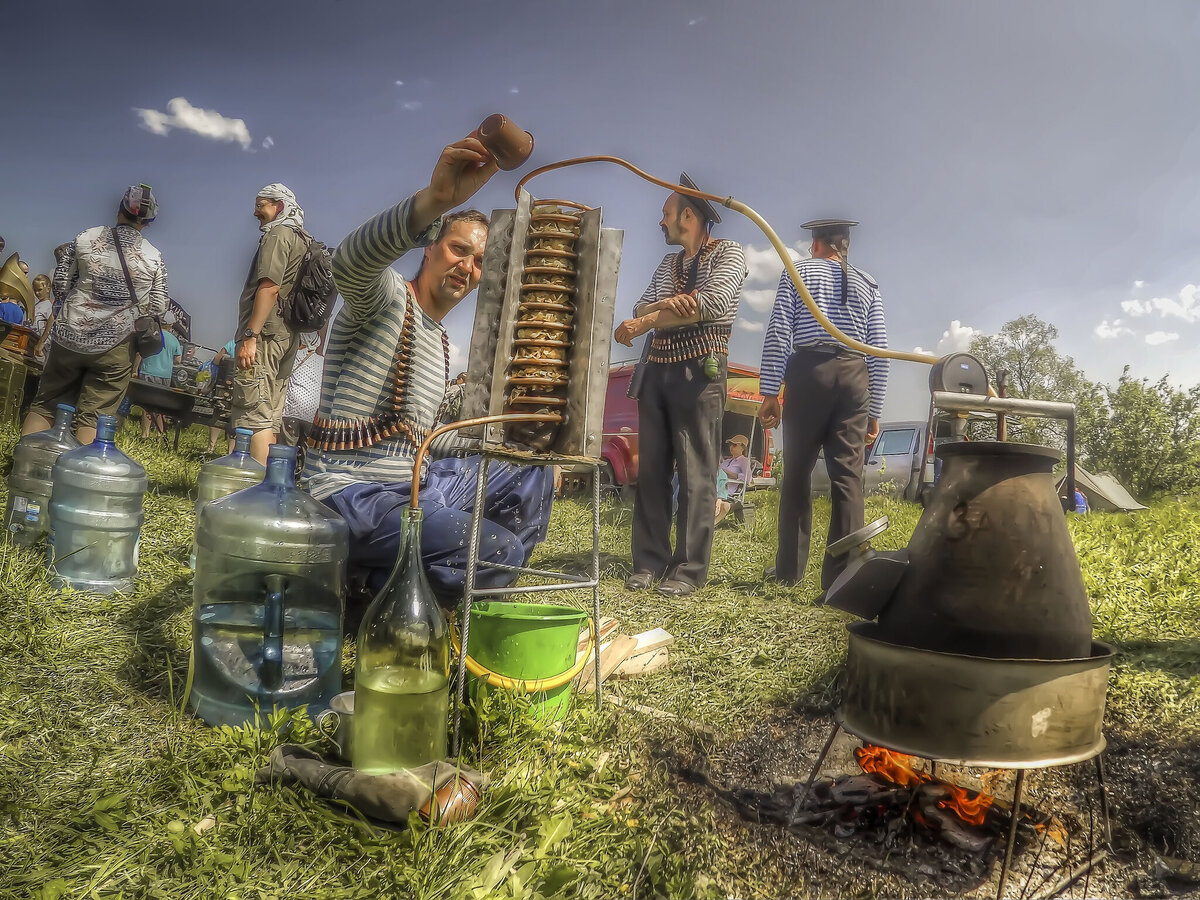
103, 778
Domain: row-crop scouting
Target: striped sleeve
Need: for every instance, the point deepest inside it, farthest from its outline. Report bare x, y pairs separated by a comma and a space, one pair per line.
362, 260
718, 299
662, 285
777, 344
877, 366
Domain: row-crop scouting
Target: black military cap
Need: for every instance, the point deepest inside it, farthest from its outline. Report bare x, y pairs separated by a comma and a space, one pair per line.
703, 208
829, 225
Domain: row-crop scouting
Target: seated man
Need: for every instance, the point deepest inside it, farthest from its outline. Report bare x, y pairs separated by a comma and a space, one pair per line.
387, 363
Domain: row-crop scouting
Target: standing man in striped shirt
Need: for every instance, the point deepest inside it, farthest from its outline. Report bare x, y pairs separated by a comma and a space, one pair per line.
688, 309
834, 394
387, 364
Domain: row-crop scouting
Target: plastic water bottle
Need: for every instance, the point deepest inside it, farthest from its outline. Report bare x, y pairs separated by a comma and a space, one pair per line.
402, 676
27, 512
223, 476
96, 515
268, 602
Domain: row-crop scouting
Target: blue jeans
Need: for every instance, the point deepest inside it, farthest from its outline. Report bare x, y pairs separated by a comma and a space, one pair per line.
516, 513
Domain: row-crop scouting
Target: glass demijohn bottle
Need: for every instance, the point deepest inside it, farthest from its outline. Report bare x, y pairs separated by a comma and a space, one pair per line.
27, 512
402, 677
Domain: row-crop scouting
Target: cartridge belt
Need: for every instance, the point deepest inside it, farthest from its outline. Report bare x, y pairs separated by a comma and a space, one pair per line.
332, 433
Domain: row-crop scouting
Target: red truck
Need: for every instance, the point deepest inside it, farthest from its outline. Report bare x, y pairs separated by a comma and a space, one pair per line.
620, 446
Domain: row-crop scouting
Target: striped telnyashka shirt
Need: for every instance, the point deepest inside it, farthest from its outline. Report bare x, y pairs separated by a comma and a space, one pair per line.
792, 326
719, 279
357, 381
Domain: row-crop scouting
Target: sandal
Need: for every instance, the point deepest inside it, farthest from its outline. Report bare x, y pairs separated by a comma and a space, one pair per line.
639, 581
673, 588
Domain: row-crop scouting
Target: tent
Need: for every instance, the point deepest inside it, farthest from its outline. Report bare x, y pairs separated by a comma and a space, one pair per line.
1103, 492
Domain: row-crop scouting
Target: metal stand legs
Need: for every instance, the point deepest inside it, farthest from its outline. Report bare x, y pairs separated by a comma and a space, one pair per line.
558, 581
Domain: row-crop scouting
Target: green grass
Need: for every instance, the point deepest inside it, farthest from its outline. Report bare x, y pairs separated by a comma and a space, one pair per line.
102, 777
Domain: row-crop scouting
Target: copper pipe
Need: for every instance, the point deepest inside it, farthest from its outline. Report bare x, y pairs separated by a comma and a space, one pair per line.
764, 226
419, 459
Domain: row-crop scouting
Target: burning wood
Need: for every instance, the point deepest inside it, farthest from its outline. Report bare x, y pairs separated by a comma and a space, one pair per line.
898, 769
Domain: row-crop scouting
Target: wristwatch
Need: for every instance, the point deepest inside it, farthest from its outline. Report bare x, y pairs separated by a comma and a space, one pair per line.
247, 333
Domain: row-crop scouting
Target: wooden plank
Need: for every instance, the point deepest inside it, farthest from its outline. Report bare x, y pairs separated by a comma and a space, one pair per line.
644, 663
607, 626
652, 640
616, 652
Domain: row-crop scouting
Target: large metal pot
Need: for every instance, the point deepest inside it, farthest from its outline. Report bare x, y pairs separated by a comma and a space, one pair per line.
992, 570
974, 711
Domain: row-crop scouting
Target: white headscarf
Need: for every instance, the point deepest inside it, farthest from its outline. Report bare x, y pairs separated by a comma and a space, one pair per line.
291, 214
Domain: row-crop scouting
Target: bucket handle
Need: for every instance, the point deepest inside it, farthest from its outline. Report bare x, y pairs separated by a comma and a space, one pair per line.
529, 686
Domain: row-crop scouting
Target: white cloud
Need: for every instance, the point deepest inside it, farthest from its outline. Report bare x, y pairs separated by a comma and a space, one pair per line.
458, 359
268, 142
956, 339
699, 20
1161, 337
752, 327
765, 265
1185, 306
514, 90
1107, 330
761, 299
399, 84
411, 105
1139, 283
207, 123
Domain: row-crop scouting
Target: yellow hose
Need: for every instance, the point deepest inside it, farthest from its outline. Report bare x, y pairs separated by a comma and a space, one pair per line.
535, 685
780, 248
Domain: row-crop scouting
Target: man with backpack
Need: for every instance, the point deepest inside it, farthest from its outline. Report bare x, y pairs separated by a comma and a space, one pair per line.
266, 345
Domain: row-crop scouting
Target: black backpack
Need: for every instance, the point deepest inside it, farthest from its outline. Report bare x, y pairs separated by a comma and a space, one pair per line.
310, 303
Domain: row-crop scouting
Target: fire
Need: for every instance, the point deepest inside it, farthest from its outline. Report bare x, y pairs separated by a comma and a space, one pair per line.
898, 769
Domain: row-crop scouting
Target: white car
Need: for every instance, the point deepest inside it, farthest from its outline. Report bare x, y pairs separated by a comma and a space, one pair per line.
893, 462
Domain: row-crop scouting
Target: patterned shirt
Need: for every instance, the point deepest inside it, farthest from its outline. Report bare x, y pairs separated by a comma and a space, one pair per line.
95, 310
357, 381
720, 273
792, 326
304, 387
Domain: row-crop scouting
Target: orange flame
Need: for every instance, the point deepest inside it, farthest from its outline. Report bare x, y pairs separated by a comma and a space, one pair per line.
898, 769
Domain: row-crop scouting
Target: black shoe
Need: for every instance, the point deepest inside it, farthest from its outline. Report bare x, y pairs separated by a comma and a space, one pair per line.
674, 588
639, 581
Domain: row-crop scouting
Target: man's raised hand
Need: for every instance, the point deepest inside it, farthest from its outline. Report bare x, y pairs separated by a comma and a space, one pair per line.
462, 169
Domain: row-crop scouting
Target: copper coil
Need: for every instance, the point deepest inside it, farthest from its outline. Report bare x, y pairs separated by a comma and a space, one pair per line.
533, 305
570, 218
551, 253
554, 244
538, 381
537, 362
550, 288
570, 203
531, 325
535, 400
539, 342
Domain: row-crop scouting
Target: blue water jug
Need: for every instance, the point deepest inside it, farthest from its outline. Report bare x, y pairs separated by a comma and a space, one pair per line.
96, 515
221, 477
27, 511
269, 593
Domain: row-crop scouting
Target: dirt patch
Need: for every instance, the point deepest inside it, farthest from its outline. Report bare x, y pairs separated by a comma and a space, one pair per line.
1153, 794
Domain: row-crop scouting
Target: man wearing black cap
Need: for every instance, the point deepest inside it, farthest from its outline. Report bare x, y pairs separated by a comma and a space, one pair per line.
688, 310
834, 394
107, 277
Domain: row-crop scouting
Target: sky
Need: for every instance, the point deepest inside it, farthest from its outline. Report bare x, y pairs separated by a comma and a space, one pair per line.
1004, 158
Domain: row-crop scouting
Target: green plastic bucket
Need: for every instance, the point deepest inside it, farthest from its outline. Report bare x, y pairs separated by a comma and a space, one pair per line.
527, 641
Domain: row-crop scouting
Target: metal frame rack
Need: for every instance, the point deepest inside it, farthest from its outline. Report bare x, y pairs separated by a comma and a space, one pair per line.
558, 581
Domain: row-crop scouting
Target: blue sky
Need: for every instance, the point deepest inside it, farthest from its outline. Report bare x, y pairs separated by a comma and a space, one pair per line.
1004, 158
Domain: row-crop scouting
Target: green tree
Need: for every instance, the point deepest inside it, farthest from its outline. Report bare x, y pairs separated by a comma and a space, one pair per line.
1025, 349
1146, 434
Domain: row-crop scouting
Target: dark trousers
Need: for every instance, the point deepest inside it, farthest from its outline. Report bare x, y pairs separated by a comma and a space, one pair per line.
825, 406
516, 510
679, 428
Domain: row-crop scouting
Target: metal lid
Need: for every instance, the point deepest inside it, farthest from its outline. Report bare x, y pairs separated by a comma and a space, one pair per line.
997, 448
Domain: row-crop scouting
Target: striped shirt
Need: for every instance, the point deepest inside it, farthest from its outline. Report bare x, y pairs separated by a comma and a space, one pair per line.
792, 326
719, 278
357, 381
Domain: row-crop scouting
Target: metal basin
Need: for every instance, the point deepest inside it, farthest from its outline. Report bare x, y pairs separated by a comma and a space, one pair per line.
160, 398
974, 711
